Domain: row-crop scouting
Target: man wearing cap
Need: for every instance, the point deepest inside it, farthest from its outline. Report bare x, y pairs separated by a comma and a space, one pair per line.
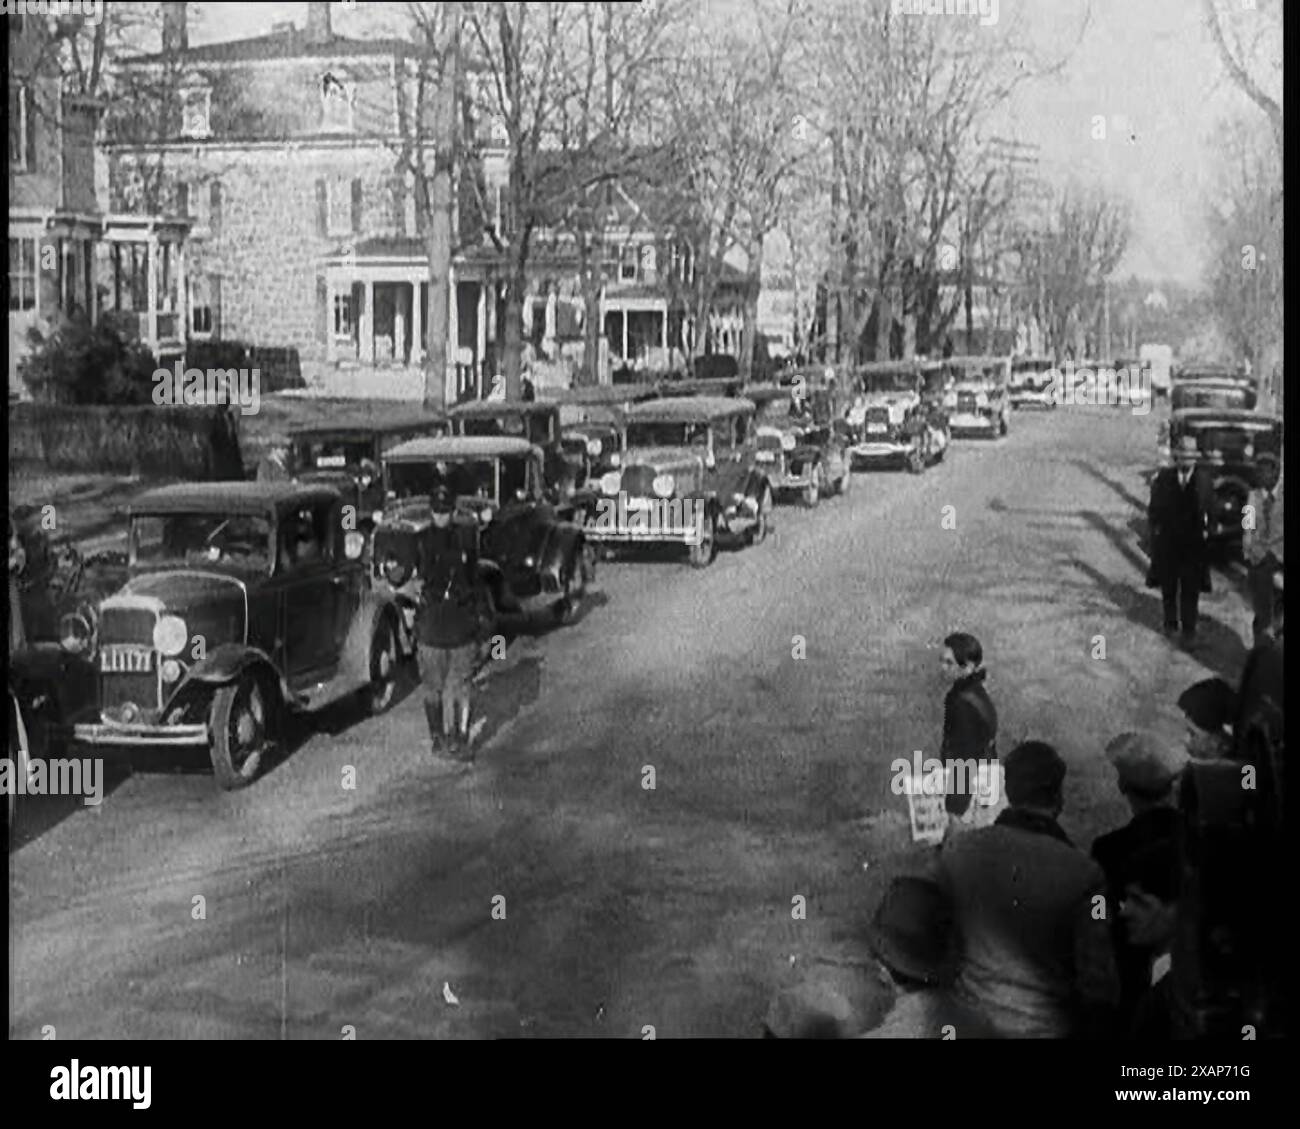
1209, 707
1147, 772
1036, 956
1178, 516
913, 938
449, 623
1261, 542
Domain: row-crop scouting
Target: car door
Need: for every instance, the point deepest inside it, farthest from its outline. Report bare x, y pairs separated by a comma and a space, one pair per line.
729, 453
313, 592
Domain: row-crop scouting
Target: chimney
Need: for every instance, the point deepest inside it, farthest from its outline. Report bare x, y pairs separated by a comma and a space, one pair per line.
318, 23
175, 35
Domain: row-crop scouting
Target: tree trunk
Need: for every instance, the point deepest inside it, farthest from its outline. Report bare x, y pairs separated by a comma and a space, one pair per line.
438, 242
749, 328
591, 327
513, 345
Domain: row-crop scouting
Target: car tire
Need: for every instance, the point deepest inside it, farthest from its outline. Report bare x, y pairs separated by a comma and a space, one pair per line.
240, 721
570, 602
384, 663
1002, 427
811, 494
916, 461
759, 533
703, 554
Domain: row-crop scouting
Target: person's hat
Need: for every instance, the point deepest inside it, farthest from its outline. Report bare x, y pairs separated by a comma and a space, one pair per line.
441, 500
1033, 773
1186, 449
830, 1000
1144, 763
912, 932
1209, 704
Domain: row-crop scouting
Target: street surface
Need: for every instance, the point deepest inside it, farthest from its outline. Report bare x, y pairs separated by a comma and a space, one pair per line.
325, 907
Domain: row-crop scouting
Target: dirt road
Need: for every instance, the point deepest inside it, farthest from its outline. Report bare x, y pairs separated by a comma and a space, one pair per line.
551, 889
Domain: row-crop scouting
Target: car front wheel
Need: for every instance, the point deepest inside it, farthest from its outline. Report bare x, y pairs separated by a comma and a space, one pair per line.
812, 493
575, 588
383, 667
706, 548
240, 724
760, 531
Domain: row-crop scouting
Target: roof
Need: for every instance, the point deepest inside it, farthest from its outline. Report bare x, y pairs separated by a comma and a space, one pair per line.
288, 43
884, 366
363, 430
601, 394
230, 497
1235, 417
976, 360
686, 409
460, 447
763, 393
488, 409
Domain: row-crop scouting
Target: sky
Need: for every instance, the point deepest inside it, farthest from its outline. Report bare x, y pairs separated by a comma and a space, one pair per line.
1147, 66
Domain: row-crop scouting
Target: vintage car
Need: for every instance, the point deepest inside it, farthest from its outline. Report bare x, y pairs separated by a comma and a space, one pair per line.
1032, 384
1231, 443
1223, 393
978, 402
889, 421
690, 476
1208, 370
537, 421
245, 601
347, 456
530, 560
798, 445
594, 443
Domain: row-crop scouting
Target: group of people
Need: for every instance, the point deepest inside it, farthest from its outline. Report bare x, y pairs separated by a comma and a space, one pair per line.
1157, 932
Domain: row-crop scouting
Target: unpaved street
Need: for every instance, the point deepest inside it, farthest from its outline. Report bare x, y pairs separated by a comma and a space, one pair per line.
324, 907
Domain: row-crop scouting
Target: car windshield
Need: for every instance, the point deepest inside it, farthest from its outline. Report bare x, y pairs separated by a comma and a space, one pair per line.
331, 454
777, 412
1190, 396
188, 540
666, 434
876, 383
534, 427
466, 478
1233, 442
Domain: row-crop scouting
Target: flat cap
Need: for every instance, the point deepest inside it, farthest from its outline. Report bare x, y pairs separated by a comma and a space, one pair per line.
1209, 704
1144, 763
1033, 772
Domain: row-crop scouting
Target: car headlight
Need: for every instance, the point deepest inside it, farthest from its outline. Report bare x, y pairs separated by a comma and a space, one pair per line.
485, 515
787, 443
594, 447
609, 483
377, 516
76, 633
170, 635
663, 485
171, 670
615, 459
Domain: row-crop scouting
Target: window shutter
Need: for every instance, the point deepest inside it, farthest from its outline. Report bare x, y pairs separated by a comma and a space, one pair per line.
214, 207
214, 296
30, 124
398, 189
322, 207
322, 310
356, 204
421, 205
182, 199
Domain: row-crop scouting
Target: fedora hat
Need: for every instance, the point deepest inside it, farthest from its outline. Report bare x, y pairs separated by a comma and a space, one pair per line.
1186, 449
1144, 763
912, 932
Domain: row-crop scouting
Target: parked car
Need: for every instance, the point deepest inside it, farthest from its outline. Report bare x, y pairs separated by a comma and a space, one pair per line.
1223, 393
690, 476
1231, 443
537, 421
245, 601
798, 445
889, 422
348, 456
531, 560
1208, 370
978, 403
1031, 384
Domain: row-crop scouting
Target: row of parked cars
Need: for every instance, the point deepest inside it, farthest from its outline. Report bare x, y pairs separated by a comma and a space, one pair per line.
237, 604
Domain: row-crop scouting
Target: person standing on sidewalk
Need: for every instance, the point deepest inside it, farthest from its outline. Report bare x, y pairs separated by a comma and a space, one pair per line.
1178, 518
449, 625
970, 723
1261, 543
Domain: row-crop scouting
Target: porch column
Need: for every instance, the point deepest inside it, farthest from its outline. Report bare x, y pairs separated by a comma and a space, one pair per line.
367, 328
331, 300
399, 333
151, 284
663, 335
481, 343
625, 335
453, 339
417, 324
182, 296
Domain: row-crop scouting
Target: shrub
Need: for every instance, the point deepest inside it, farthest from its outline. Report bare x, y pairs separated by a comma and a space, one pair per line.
83, 364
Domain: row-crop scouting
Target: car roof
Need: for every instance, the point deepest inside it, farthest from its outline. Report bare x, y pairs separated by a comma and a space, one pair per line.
362, 430
763, 393
870, 367
1209, 416
687, 409
975, 359
231, 497
605, 395
460, 447
488, 408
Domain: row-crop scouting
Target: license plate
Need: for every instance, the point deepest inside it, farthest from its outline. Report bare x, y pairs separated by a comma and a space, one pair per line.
766, 456
876, 428
125, 660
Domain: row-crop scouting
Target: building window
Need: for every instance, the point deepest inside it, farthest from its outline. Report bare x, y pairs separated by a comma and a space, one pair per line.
610, 260
203, 304
338, 212
337, 101
628, 264
22, 128
343, 315
196, 113
22, 274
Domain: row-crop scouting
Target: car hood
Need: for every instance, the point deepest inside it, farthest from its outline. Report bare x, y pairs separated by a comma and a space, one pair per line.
341, 477
664, 460
212, 605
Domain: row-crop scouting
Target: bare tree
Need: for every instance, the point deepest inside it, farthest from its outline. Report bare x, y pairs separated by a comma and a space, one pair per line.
1248, 39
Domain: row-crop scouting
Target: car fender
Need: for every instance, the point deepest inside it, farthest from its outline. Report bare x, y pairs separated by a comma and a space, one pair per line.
354, 662
221, 666
755, 483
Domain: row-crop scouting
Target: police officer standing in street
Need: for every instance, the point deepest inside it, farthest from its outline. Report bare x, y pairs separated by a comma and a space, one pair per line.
452, 620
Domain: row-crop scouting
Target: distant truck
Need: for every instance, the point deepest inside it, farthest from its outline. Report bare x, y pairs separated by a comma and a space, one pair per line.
1160, 358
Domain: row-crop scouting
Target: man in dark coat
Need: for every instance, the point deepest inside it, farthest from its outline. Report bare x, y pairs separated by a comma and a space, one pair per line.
1147, 771
970, 723
449, 623
1178, 515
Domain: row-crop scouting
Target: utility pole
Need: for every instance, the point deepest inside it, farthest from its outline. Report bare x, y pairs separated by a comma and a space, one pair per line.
442, 200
